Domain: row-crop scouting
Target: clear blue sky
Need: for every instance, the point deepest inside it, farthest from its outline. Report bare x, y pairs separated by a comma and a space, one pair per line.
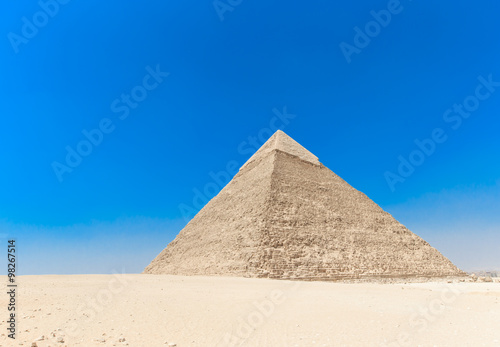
359, 102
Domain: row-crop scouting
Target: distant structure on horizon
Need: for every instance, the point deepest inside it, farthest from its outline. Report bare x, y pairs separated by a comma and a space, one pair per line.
286, 216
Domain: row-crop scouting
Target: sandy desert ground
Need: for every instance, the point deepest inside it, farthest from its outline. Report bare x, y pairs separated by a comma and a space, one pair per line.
156, 310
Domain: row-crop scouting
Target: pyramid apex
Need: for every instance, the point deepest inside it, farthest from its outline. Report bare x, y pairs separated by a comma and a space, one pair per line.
282, 142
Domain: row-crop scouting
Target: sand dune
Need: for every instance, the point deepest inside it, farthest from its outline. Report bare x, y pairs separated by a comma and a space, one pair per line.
150, 310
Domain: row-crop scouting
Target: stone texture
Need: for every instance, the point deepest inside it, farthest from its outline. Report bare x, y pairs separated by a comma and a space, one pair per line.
286, 216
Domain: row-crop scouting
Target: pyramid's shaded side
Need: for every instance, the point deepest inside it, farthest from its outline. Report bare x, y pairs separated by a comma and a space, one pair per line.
288, 216
318, 227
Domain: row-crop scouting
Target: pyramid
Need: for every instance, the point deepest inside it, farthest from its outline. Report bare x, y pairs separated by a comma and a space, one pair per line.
285, 215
